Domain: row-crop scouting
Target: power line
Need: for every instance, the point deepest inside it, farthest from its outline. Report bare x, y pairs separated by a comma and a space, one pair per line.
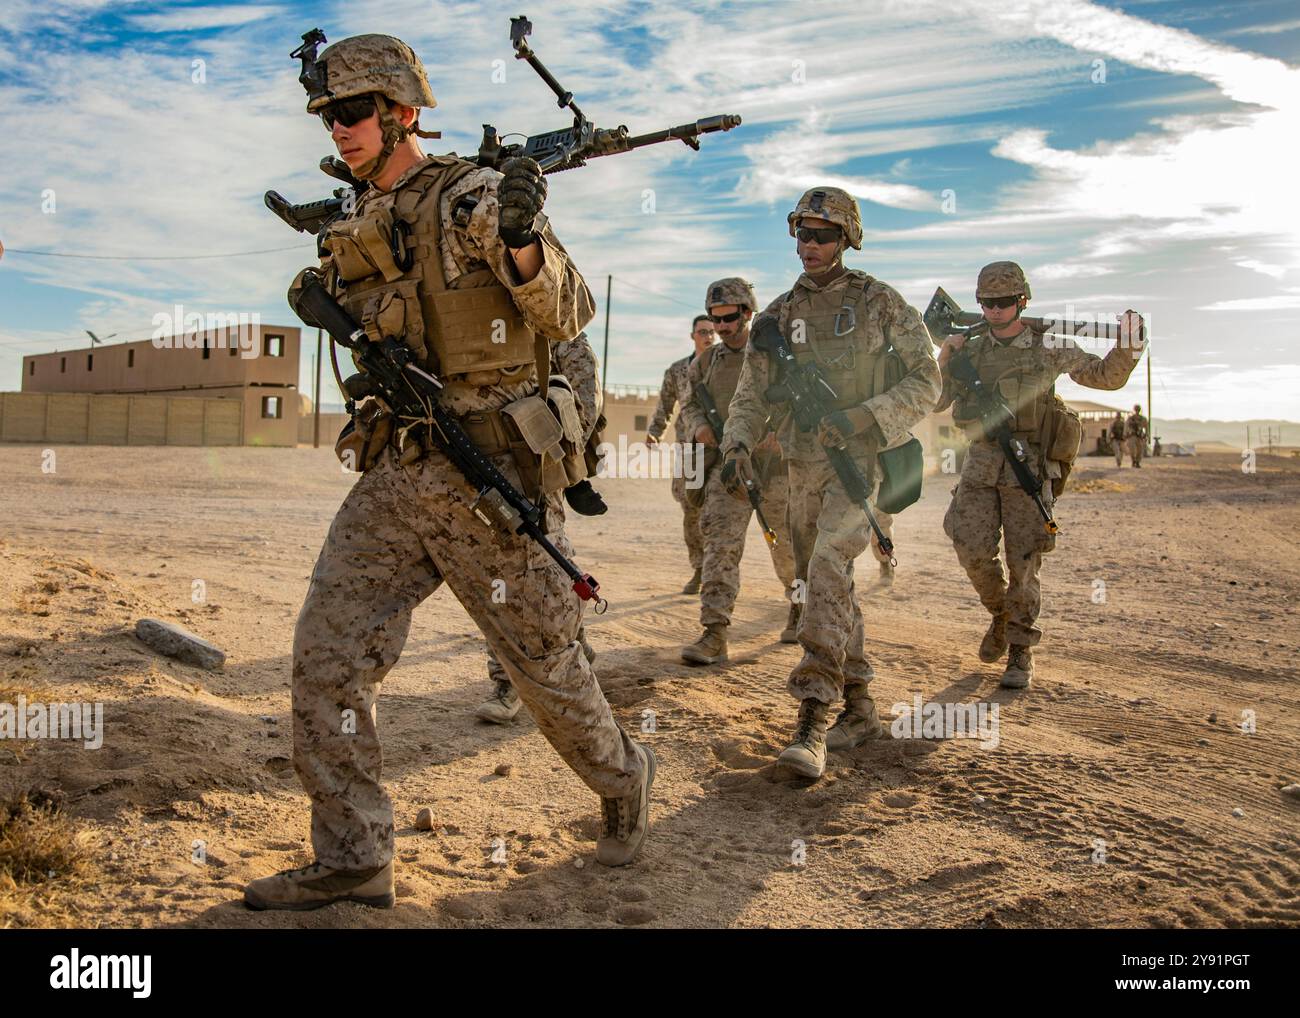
150, 258
653, 293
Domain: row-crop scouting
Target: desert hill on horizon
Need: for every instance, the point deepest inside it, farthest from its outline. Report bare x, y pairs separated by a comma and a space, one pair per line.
1229, 433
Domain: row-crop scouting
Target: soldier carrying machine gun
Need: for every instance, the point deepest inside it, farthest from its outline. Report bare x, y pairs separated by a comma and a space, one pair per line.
564, 149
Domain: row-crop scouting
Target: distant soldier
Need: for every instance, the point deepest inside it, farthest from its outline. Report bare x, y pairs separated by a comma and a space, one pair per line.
1155, 446
1117, 437
673, 394
724, 521
1137, 434
988, 504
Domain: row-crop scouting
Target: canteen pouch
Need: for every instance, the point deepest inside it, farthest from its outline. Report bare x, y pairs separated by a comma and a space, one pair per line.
1064, 435
901, 470
540, 455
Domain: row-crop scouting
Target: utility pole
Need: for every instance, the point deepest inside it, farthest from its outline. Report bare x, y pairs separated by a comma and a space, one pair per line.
604, 363
1151, 413
315, 403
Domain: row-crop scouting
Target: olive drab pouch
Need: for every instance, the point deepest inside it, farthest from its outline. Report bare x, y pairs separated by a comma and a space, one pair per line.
1062, 436
365, 245
391, 312
480, 330
901, 470
542, 453
364, 438
565, 407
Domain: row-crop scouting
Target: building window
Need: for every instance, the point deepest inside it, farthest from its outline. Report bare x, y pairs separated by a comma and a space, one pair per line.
90, 362
63, 365
273, 346
207, 350
234, 347
271, 407
640, 424
31, 368
130, 358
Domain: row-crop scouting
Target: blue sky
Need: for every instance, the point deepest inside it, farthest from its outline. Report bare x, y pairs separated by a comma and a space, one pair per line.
1128, 155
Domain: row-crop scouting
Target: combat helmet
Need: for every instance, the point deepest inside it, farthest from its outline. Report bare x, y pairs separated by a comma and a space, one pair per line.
363, 65
1002, 279
834, 205
732, 290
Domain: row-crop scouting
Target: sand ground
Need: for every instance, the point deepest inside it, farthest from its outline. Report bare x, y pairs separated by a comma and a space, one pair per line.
1128, 746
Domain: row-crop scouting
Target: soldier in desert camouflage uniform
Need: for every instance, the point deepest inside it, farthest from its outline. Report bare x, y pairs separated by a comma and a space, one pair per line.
467, 261
1136, 428
1117, 438
988, 504
723, 522
673, 395
873, 350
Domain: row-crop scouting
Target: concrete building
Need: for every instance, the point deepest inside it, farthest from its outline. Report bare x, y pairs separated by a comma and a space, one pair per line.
256, 364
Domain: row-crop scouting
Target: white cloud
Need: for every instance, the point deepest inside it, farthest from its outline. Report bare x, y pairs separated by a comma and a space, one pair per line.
191, 19
1278, 302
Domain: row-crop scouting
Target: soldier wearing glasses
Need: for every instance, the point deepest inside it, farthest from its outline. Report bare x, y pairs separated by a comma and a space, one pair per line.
988, 505
731, 304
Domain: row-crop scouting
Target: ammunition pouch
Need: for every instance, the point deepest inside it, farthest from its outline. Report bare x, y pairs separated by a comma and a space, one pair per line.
712, 460
365, 245
1061, 436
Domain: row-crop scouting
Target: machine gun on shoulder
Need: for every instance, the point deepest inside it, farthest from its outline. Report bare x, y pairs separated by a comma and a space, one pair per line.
808, 393
944, 317
563, 149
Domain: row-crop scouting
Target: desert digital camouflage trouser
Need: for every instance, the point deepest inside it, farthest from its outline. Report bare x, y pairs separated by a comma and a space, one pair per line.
1118, 443
691, 524
724, 522
828, 532
1136, 447
399, 535
979, 517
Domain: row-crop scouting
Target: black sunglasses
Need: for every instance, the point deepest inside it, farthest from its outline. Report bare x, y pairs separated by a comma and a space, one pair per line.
348, 112
999, 302
825, 235
725, 318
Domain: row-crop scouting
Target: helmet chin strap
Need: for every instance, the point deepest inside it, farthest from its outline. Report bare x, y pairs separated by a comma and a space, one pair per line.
393, 134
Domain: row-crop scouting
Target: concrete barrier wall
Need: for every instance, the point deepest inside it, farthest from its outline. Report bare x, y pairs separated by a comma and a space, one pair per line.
74, 418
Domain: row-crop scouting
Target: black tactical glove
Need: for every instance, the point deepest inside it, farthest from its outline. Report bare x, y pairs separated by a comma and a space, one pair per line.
521, 194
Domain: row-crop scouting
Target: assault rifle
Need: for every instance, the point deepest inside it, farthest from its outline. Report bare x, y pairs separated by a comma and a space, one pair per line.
807, 392
412, 395
563, 149
996, 418
751, 487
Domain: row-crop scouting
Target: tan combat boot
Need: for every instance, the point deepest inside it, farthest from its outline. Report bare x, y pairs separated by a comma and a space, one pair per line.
502, 707
994, 644
857, 723
625, 821
710, 648
1020, 668
790, 634
693, 584
315, 886
806, 756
